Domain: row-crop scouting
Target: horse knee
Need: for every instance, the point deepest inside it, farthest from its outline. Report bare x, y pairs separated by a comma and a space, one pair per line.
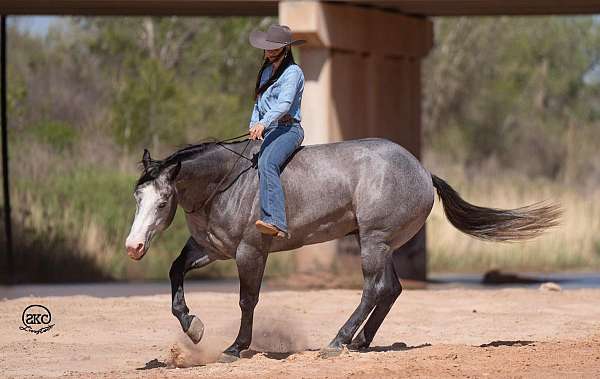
248, 303
176, 271
173, 272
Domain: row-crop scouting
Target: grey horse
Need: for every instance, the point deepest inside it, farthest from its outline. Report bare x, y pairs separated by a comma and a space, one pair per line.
369, 188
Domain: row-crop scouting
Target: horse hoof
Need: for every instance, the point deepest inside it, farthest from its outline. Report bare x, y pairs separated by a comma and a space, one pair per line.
330, 352
196, 330
358, 344
227, 358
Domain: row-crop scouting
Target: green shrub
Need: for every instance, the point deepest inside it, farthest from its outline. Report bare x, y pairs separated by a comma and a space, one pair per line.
59, 135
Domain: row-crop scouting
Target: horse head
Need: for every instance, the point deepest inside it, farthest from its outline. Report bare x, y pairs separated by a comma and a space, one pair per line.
156, 204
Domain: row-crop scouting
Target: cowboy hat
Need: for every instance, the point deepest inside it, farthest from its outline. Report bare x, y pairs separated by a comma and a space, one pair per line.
275, 37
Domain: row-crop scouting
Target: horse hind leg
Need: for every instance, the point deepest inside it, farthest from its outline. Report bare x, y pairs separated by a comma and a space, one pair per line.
374, 255
390, 291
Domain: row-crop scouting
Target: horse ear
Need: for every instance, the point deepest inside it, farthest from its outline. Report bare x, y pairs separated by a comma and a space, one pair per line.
173, 171
146, 159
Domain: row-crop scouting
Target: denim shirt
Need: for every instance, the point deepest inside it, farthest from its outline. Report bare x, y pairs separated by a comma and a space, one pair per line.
283, 96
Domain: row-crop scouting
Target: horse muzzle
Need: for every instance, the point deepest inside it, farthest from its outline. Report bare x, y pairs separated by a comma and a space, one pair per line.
136, 252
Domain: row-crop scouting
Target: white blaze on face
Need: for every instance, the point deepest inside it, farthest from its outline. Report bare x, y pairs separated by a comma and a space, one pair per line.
148, 216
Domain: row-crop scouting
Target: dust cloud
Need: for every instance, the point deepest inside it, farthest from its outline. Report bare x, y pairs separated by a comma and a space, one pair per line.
183, 353
274, 331
279, 331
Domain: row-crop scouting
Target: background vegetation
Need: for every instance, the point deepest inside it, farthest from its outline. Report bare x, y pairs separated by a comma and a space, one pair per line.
511, 116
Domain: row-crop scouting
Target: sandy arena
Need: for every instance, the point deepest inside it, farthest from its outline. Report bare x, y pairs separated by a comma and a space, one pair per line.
435, 333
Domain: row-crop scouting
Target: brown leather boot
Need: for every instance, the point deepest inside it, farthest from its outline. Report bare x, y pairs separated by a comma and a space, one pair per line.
271, 230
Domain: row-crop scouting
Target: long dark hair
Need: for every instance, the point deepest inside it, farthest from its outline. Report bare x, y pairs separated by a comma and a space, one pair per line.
288, 59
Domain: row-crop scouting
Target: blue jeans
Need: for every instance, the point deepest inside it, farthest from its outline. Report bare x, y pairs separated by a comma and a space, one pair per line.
278, 144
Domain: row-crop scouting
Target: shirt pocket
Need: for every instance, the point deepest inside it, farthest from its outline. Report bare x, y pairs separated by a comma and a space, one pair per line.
275, 89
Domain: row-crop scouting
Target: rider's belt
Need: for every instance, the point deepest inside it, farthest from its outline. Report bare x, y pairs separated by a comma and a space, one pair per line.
286, 120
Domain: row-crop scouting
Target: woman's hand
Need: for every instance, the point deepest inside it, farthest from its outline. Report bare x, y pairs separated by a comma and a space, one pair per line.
256, 131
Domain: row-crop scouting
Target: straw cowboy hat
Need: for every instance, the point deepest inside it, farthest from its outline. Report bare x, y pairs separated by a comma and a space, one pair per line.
275, 37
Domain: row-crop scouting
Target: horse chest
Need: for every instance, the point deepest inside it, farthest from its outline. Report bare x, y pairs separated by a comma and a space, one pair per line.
215, 245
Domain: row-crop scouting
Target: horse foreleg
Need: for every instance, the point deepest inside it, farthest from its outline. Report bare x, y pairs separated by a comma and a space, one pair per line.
251, 266
192, 256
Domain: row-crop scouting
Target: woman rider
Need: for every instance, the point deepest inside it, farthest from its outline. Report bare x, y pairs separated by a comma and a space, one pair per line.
276, 120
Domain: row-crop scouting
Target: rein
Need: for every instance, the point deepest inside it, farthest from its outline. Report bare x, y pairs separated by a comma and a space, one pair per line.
230, 170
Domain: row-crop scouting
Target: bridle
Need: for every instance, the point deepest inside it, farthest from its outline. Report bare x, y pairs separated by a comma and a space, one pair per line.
240, 155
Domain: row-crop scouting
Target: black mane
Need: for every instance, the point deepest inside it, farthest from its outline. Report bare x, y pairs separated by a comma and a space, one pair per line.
179, 155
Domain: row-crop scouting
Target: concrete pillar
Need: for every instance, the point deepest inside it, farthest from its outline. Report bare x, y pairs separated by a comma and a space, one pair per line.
362, 79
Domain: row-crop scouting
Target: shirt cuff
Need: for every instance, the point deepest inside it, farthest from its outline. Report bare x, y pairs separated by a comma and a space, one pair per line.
268, 123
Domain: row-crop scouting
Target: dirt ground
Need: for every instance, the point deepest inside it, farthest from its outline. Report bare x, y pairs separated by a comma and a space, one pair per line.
432, 333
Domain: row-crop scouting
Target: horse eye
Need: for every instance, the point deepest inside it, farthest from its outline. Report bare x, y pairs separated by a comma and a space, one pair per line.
163, 204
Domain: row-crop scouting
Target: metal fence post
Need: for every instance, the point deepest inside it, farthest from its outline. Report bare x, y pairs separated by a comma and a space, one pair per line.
5, 175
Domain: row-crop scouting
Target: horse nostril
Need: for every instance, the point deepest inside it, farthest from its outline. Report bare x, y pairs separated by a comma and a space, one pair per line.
136, 252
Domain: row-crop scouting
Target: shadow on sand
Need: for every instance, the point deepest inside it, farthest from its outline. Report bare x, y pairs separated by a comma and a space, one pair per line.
396, 346
269, 354
155, 363
507, 343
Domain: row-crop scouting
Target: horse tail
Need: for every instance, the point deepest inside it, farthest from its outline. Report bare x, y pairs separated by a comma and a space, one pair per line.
496, 224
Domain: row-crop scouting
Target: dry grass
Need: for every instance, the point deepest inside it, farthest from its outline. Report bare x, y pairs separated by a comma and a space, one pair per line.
575, 244
77, 245
71, 220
